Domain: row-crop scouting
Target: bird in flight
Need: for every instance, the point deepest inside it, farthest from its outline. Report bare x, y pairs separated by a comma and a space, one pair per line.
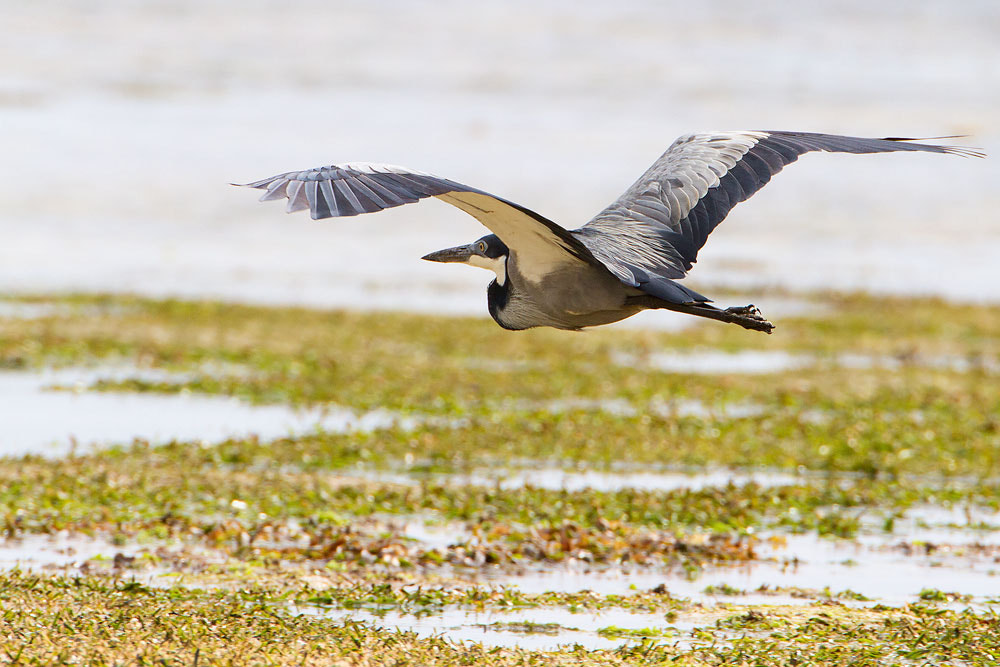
628, 258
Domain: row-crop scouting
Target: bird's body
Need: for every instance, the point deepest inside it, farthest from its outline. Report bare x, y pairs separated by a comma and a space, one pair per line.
626, 259
570, 298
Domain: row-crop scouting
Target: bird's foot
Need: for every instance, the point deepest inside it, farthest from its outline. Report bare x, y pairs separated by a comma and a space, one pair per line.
750, 317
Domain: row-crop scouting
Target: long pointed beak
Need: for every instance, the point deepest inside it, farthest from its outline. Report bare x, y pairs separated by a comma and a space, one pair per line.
461, 253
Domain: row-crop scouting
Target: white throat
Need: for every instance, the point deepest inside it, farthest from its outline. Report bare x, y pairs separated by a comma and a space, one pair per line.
497, 266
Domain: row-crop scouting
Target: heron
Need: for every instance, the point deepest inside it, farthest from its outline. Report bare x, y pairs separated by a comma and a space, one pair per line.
630, 257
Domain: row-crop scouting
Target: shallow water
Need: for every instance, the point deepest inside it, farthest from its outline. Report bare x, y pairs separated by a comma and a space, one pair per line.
51, 412
940, 362
28, 311
956, 519
488, 627
750, 362
172, 103
569, 480
554, 478
40, 420
42, 551
624, 408
869, 566
711, 362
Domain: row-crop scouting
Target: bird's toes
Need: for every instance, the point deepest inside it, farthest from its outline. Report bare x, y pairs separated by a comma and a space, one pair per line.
750, 311
750, 317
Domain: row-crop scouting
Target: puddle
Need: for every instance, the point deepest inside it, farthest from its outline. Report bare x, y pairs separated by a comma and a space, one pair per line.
712, 362
955, 522
938, 362
514, 629
623, 408
436, 537
44, 551
751, 362
559, 479
17, 310
42, 421
695, 408
39, 419
870, 566
34, 310
666, 481
160, 563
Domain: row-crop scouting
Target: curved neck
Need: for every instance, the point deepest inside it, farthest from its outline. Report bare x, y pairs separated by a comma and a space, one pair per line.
497, 295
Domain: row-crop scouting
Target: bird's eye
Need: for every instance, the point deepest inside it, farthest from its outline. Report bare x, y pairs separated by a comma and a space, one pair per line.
481, 247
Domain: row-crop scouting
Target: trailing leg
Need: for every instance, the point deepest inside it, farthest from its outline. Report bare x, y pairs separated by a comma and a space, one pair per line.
748, 317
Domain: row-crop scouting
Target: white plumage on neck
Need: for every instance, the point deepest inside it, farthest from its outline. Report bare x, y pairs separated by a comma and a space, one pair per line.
497, 265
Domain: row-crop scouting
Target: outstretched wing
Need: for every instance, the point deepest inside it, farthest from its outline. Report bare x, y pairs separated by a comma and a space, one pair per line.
351, 189
653, 232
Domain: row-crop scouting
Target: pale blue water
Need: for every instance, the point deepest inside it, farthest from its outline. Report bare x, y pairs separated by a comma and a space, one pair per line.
123, 122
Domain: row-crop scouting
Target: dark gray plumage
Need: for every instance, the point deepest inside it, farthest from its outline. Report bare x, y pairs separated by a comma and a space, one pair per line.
626, 259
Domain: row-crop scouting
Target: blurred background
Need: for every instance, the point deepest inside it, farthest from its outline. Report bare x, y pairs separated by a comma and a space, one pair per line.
122, 123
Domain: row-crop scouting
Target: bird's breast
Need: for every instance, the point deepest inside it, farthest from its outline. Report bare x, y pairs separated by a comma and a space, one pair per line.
567, 298
574, 289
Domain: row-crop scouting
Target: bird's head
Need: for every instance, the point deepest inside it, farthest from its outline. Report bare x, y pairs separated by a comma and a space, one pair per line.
488, 252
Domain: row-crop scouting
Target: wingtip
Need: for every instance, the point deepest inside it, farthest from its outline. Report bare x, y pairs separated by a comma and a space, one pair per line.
947, 136
962, 151
965, 151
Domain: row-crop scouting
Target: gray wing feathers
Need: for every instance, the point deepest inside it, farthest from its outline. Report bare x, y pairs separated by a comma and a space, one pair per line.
352, 189
355, 188
661, 222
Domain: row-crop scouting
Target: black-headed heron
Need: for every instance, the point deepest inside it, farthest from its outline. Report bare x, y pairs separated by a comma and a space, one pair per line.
628, 258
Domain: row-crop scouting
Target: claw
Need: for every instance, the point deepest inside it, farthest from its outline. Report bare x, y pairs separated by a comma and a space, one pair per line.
746, 311
750, 317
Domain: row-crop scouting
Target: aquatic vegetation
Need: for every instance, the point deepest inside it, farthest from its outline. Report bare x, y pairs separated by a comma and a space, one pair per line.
894, 414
